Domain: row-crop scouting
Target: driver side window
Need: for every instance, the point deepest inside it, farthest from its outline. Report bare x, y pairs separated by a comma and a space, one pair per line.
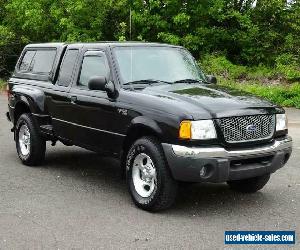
93, 65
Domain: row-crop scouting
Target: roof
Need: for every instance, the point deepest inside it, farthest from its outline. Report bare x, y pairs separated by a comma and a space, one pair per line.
101, 43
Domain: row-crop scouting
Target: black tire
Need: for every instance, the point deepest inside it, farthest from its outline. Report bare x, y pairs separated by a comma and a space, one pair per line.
250, 185
37, 147
165, 190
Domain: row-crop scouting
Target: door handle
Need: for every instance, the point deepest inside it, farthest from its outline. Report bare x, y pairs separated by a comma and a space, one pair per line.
73, 99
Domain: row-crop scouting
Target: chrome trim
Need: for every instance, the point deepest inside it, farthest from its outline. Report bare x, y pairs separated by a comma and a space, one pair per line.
219, 152
40, 115
75, 124
237, 123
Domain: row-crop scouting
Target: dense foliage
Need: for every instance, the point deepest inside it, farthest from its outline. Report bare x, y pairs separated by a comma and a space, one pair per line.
248, 32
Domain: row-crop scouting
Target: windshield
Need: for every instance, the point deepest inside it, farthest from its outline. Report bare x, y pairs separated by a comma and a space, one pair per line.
162, 64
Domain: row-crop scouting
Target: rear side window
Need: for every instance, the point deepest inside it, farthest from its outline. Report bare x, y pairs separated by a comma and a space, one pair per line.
38, 61
43, 61
26, 61
66, 69
93, 66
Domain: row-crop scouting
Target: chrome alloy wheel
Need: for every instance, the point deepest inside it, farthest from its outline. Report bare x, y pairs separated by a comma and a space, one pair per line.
24, 140
144, 175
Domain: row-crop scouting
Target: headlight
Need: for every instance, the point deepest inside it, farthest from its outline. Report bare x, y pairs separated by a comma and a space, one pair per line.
281, 122
197, 130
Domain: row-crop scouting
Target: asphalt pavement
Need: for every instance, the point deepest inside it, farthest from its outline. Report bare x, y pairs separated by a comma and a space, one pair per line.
77, 200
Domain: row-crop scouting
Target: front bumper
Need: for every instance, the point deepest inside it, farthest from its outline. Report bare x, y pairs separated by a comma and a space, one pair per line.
216, 164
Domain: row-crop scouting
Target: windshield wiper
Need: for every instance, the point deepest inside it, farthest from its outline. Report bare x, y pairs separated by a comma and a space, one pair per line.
146, 81
188, 81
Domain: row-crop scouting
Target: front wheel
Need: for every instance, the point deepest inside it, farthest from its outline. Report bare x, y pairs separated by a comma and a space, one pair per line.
30, 145
250, 185
149, 180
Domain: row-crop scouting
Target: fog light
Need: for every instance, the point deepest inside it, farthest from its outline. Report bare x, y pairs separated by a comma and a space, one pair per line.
203, 171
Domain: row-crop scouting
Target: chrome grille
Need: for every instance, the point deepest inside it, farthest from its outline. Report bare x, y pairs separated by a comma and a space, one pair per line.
247, 128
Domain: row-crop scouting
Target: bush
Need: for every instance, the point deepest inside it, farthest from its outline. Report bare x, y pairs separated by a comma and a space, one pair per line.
287, 65
273, 84
285, 70
219, 65
2, 84
284, 95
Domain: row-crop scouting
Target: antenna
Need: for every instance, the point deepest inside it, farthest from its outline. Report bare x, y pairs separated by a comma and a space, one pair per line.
130, 17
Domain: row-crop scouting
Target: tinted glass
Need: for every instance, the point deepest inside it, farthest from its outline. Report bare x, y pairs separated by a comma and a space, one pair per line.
159, 63
92, 66
26, 61
66, 69
43, 61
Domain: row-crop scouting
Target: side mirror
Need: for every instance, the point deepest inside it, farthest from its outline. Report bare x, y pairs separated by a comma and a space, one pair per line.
211, 79
97, 83
100, 83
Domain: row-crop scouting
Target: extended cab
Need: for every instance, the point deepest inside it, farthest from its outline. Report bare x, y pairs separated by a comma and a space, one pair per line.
151, 106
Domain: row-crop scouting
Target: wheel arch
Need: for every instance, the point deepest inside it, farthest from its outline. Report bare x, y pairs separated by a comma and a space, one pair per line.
140, 126
21, 107
32, 97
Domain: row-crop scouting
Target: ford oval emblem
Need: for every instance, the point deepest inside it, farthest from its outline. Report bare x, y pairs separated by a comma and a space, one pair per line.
251, 128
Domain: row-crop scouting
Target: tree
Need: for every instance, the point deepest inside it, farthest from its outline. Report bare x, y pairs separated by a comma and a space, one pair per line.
245, 31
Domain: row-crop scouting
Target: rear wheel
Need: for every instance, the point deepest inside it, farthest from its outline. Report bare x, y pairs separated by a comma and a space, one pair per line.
30, 145
250, 185
149, 179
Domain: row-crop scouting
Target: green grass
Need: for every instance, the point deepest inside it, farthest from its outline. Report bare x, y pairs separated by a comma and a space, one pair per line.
2, 84
279, 84
284, 95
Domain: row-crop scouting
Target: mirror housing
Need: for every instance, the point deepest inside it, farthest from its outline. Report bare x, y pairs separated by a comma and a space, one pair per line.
97, 83
211, 79
100, 83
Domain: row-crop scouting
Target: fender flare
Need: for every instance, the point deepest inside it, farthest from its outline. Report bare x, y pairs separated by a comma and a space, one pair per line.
138, 122
147, 123
33, 98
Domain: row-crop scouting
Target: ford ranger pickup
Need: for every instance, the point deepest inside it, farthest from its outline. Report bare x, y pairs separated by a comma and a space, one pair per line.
151, 106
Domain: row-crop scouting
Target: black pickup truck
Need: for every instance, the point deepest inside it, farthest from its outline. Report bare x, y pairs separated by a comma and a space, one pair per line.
151, 106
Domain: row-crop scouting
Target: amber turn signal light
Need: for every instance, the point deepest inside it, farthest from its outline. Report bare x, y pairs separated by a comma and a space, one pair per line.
185, 130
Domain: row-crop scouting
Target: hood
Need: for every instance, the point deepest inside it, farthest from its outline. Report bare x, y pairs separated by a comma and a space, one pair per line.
217, 101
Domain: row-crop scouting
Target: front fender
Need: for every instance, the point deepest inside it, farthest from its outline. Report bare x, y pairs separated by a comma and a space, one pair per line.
148, 123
